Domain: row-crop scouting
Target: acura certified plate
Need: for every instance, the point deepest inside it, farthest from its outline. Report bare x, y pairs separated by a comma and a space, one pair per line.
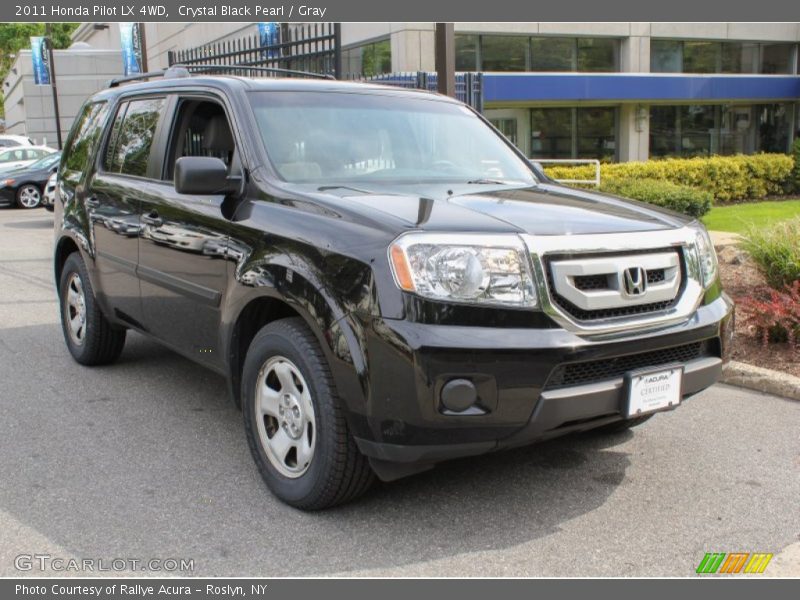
650, 391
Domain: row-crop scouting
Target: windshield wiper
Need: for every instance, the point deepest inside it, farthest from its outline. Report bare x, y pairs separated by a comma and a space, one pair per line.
326, 188
486, 182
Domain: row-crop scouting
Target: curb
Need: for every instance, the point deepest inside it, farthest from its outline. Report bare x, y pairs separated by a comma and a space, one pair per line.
761, 380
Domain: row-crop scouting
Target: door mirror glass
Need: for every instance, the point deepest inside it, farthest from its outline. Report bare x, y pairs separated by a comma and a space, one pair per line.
204, 175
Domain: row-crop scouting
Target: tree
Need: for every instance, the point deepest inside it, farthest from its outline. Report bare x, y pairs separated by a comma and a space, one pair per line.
16, 36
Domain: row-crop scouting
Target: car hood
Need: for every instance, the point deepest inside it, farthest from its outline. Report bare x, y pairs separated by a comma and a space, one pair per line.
545, 209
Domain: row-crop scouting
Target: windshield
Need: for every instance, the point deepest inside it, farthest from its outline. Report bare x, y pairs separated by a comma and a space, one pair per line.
331, 137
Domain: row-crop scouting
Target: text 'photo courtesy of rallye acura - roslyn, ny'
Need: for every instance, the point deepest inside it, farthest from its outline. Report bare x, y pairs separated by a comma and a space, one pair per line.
382, 278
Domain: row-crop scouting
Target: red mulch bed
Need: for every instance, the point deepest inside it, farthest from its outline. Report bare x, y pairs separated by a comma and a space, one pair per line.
739, 277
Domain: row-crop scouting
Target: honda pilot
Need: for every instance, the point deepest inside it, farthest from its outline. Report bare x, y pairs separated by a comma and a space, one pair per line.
384, 281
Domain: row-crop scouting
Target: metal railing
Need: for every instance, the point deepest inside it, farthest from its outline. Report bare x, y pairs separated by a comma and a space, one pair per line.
469, 88
314, 48
575, 161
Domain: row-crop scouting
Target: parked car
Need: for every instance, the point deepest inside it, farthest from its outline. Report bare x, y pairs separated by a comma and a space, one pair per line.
403, 287
49, 196
20, 156
24, 186
7, 141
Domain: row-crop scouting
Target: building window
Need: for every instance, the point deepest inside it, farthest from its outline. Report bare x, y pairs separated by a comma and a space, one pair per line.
701, 57
508, 127
574, 132
552, 54
676, 56
777, 58
504, 53
666, 56
537, 54
369, 59
466, 53
705, 130
597, 55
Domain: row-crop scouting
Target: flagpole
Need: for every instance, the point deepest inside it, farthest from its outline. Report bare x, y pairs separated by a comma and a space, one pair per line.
48, 34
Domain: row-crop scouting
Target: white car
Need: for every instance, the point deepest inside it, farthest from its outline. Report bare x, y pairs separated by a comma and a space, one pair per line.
49, 197
20, 156
7, 141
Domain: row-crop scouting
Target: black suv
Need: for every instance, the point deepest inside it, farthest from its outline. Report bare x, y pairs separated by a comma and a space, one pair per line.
384, 281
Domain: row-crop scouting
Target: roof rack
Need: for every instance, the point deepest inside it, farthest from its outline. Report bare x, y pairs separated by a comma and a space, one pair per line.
187, 70
117, 81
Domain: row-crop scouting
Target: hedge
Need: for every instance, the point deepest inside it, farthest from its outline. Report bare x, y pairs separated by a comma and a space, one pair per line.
736, 177
682, 198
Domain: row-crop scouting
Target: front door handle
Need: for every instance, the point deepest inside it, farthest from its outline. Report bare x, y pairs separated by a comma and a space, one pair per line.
153, 219
92, 202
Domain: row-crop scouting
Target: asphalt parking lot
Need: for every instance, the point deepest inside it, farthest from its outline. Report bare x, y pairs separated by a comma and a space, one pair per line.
147, 459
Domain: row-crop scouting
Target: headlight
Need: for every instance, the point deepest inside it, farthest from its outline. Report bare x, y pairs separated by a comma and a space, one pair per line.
705, 254
477, 269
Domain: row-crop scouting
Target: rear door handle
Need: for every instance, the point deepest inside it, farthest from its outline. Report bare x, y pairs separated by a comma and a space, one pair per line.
92, 202
153, 219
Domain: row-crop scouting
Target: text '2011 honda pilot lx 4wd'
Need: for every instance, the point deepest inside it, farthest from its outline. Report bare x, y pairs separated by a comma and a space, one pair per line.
382, 278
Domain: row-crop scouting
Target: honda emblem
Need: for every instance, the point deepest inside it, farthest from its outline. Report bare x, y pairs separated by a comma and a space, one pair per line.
635, 281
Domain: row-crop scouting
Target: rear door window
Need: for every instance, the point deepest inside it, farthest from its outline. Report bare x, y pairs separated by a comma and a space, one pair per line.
130, 144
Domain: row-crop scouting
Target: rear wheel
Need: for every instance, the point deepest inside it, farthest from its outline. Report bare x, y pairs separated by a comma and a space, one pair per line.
294, 423
90, 338
29, 196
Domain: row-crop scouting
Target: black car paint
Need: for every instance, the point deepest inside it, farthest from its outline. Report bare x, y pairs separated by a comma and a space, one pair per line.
321, 252
24, 176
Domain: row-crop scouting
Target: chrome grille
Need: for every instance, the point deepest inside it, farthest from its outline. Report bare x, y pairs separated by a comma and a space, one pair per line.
601, 295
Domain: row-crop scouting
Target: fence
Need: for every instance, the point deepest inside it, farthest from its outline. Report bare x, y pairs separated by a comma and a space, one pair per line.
315, 48
468, 85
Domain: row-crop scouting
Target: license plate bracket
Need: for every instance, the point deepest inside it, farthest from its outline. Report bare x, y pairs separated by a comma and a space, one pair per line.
652, 390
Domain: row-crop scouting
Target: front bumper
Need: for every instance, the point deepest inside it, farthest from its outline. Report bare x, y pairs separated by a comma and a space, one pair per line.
513, 369
8, 196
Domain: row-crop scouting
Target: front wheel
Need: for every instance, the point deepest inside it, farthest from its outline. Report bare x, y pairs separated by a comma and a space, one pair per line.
294, 423
90, 338
29, 196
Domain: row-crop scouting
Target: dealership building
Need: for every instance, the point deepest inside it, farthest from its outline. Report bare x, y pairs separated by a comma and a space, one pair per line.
611, 91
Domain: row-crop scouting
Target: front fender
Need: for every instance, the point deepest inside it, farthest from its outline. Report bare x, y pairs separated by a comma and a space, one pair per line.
325, 301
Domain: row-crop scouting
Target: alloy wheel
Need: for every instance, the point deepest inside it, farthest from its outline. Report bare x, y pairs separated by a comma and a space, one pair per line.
30, 196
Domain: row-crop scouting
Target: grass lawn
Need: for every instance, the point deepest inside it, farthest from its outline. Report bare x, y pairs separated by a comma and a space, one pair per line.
738, 217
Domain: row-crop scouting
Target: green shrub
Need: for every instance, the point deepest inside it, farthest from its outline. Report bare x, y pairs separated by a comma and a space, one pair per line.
682, 198
726, 177
776, 251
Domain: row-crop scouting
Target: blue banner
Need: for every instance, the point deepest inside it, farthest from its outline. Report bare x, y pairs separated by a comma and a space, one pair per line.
41, 60
269, 34
131, 42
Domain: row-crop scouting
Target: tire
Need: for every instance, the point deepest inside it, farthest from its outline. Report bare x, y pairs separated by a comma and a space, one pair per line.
620, 426
307, 456
29, 196
97, 342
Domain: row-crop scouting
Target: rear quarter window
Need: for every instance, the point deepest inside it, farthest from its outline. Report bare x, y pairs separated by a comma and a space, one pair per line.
85, 133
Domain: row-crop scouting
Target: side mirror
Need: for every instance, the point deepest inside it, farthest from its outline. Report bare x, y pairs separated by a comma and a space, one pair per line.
204, 175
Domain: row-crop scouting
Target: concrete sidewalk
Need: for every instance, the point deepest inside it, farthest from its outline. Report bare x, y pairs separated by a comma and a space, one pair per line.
720, 239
